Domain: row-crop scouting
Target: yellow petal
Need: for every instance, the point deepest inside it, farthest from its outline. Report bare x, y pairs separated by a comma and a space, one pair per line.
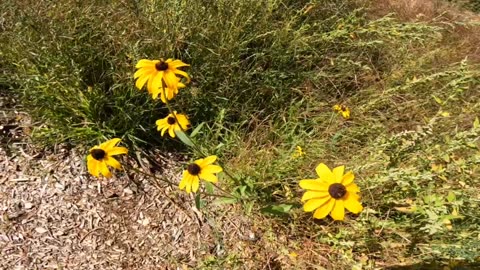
92, 166
143, 72
117, 151
195, 184
338, 211
183, 182
324, 210
171, 131
170, 80
208, 177
324, 173
157, 82
206, 161
162, 126
104, 169
314, 195
161, 122
352, 204
313, 204
113, 162
183, 74
150, 82
164, 129
177, 63
162, 96
188, 186
338, 173
146, 63
348, 178
212, 169
311, 184
141, 81
183, 121
353, 188
108, 145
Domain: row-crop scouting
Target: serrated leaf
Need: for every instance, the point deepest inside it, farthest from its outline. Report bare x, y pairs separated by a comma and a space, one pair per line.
184, 138
196, 130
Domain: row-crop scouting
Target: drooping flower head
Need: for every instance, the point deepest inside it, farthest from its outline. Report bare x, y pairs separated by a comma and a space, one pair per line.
101, 155
199, 169
160, 77
343, 110
331, 193
172, 122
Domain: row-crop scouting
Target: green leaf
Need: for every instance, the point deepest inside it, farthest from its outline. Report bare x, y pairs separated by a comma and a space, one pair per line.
209, 187
451, 196
279, 210
198, 201
476, 123
184, 138
197, 129
225, 201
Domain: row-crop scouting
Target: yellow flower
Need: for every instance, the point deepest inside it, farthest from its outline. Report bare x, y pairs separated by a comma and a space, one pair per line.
160, 76
170, 123
342, 109
200, 169
101, 155
167, 93
331, 193
298, 152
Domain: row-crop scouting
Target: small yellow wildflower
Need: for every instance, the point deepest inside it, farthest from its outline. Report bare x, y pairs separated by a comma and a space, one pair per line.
331, 193
160, 76
343, 110
100, 156
199, 169
298, 152
170, 123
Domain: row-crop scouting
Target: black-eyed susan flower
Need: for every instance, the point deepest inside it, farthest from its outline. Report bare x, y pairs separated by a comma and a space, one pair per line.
331, 193
160, 76
174, 121
343, 110
199, 169
101, 155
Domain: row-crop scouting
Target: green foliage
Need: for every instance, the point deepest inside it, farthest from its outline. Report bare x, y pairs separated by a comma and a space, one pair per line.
265, 75
73, 61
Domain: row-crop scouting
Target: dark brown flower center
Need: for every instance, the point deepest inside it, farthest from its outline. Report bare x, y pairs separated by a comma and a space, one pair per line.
343, 108
337, 190
161, 66
193, 169
171, 120
98, 154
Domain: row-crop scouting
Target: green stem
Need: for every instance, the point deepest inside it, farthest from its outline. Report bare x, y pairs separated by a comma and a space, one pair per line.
195, 146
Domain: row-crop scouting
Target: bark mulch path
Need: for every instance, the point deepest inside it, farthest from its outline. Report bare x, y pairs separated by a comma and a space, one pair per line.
54, 215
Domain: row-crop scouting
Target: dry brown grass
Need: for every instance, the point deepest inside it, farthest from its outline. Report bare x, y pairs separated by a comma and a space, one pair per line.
462, 38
